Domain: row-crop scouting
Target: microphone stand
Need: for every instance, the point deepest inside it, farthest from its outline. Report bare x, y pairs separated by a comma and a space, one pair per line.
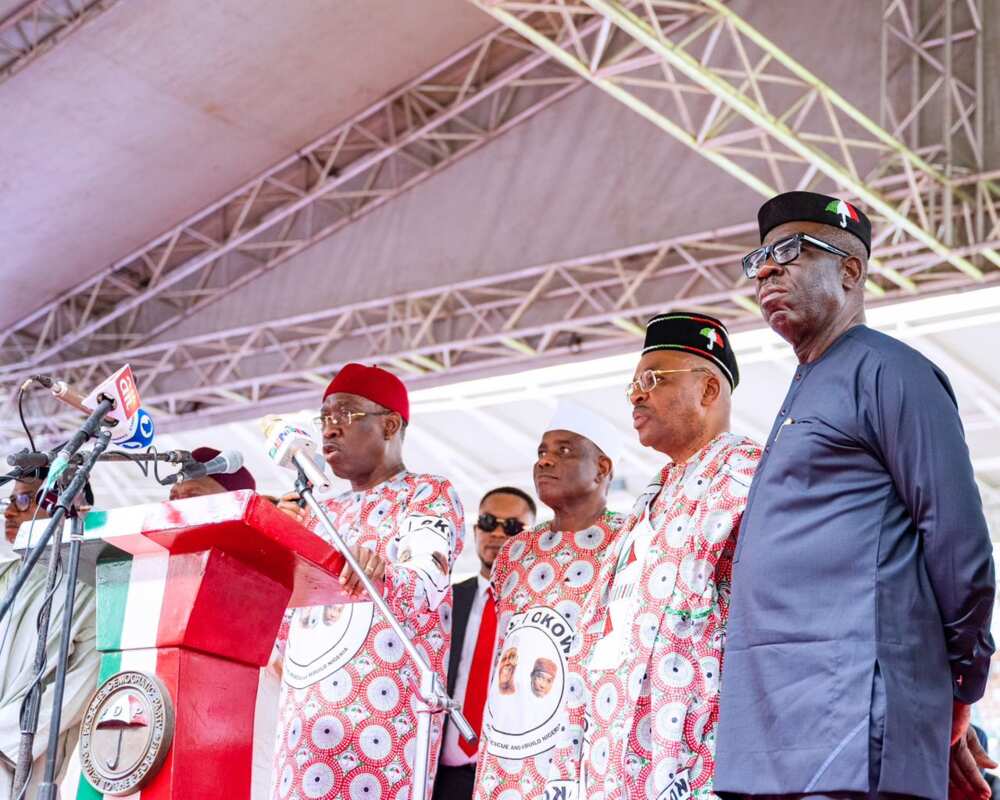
32, 702
87, 430
432, 697
48, 790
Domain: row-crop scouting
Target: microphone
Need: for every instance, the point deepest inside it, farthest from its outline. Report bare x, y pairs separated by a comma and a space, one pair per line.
226, 461
119, 387
28, 461
290, 446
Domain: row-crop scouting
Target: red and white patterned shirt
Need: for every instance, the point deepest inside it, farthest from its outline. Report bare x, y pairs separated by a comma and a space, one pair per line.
347, 724
651, 679
541, 579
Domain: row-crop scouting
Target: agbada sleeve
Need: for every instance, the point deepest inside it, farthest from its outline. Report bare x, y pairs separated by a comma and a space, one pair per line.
427, 544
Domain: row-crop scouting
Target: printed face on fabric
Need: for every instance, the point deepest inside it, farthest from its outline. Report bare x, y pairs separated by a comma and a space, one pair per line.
347, 725
650, 676
540, 579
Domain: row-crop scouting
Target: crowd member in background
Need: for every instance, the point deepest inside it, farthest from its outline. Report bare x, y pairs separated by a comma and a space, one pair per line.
864, 570
18, 639
212, 484
503, 512
646, 728
347, 725
541, 578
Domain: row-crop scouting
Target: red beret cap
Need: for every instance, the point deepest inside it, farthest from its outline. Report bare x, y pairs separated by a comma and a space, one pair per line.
374, 384
230, 481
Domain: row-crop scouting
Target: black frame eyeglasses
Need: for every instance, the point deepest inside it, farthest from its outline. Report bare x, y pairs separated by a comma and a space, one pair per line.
488, 522
785, 251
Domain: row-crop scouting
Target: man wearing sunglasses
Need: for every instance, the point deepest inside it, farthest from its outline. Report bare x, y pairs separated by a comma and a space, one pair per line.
540, 582
347, 718
645, 726
503, 512
19, 637
863, 581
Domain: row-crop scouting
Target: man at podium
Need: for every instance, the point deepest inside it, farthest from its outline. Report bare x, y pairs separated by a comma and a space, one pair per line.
346, 724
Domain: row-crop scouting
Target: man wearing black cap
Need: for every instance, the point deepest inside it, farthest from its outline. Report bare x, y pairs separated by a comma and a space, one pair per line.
863, 581
643, 723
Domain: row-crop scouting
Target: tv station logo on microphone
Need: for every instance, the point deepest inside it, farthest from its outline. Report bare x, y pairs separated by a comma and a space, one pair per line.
138, 433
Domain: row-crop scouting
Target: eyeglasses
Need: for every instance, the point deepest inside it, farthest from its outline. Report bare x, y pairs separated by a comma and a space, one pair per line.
784, 251
489, 523
20, 500
650, 378
340, 419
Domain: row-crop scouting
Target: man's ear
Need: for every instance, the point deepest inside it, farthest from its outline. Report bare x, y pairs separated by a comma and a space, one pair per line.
604, 467
852, 273
712, 390
392, 424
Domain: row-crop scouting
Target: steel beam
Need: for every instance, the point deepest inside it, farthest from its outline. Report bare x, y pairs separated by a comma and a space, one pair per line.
38, 26
593, 304
718, 74
444, 114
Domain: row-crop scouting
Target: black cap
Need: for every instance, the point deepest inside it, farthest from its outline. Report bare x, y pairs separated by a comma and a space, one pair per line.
813, 207
698, 334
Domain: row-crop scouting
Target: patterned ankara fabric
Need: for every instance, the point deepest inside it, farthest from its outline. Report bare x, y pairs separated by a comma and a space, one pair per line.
346, 726
651, 681
541, 579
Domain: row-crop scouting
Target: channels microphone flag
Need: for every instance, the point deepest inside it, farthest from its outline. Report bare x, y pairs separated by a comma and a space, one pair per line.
285, 439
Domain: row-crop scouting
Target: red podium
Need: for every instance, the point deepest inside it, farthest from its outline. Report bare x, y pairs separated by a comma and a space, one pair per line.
190, 598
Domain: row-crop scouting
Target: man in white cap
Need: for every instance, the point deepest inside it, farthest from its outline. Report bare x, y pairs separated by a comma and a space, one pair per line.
650, 681
540, 581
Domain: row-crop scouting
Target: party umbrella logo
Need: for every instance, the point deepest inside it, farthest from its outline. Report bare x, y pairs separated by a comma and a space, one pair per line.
713, 337
843, 210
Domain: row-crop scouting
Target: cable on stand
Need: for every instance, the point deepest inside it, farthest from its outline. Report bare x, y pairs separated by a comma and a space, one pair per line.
53, 533
432, 697
49, 789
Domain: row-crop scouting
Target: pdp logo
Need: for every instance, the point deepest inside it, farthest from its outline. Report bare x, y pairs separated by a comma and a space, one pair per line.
139, 434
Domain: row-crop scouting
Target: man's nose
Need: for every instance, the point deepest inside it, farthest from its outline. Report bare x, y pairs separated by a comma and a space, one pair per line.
767, 269
637, 395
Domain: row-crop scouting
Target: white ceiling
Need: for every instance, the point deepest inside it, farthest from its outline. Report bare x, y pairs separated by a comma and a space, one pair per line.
155, 109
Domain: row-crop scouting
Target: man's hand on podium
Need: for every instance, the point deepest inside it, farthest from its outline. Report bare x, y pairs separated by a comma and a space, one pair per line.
373, 566
289, 503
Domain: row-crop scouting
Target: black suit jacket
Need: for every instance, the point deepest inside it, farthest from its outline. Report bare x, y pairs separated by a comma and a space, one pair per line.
462, 596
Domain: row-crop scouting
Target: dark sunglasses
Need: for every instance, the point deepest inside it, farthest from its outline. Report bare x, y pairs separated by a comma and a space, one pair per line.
489, 523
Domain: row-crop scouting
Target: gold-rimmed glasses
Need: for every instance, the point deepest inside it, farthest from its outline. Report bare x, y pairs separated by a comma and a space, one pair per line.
649, 379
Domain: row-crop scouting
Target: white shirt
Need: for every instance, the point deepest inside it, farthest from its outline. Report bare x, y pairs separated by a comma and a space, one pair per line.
451, 754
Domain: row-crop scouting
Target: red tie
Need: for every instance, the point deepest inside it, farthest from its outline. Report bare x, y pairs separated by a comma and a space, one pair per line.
479, 675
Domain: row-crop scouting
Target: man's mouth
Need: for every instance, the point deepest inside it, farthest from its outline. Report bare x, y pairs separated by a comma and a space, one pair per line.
769, 295
639, 418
